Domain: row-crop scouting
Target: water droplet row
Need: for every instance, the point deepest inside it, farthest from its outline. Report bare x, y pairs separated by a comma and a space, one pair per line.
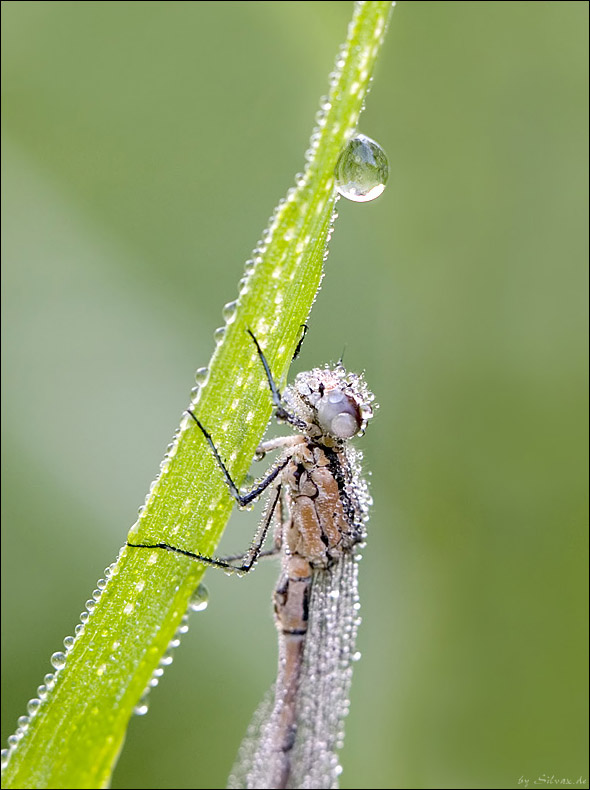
197, 603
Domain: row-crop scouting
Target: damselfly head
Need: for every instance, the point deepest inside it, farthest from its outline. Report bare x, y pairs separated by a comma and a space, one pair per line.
335, 402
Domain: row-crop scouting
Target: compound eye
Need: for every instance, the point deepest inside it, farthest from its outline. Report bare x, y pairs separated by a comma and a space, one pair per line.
338, 414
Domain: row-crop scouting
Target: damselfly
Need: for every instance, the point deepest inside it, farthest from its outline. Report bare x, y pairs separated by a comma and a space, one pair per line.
321, 504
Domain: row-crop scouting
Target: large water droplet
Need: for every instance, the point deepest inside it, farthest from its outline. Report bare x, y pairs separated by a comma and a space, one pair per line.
362, 170
199, 600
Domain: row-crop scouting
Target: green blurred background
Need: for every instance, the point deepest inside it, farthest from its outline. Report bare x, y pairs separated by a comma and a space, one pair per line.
144, 147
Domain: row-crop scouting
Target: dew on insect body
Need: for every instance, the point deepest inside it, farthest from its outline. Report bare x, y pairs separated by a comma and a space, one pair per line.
362, 170
199, 600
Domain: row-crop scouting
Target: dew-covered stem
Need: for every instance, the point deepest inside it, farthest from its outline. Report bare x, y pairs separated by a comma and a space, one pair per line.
76, 722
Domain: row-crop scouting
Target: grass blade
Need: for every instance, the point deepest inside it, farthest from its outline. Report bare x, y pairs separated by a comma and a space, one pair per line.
75, 733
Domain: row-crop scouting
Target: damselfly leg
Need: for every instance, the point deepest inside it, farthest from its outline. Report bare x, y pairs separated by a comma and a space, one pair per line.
242, 563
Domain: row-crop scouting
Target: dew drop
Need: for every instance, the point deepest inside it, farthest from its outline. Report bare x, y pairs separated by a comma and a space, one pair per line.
69, 642
49, 680
218, 335
4, 757
90, 604
58, 660
101, 584
33, 706
201, 376
23, 722
199, 600
13, 740
229, 311
141, 708
42, 691
362, 170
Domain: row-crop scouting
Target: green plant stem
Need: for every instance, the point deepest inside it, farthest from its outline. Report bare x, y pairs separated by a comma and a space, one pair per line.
74, 738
